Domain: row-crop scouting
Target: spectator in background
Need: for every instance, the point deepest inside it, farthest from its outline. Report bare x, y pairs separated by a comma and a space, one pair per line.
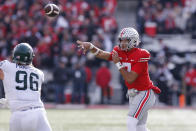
79, 80
159, 18
193, 90
191, 27
87, 82
60, 76
164, 82
103, 77
175, 92
170, 24
109, 6
190, 83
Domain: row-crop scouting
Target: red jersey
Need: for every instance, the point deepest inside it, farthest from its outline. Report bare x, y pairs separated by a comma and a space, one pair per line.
137, 60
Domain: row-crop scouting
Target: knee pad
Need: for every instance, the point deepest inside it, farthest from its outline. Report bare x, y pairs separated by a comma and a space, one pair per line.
142, 128
131, 123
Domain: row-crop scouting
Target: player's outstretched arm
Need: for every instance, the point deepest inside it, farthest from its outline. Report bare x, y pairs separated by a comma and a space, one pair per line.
85, 46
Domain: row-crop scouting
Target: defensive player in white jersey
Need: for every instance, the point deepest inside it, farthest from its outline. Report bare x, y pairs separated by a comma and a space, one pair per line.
22, 84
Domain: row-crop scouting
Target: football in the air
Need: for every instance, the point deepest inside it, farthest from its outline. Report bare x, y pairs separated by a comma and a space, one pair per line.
52, 10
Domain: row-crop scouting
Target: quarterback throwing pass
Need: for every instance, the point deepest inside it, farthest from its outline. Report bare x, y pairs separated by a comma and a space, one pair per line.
132, 62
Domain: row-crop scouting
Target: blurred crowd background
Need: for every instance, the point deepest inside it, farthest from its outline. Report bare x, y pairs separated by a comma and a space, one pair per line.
71, 77
167, 16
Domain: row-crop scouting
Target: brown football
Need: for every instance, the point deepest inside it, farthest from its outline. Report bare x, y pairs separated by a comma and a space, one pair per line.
51, 10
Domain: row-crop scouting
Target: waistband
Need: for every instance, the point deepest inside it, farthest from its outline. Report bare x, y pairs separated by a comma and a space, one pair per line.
132, 92
28, 108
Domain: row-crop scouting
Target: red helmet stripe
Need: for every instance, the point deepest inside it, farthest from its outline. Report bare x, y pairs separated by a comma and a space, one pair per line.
123, 31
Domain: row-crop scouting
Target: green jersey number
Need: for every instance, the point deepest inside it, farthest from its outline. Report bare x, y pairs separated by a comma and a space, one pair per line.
22, 77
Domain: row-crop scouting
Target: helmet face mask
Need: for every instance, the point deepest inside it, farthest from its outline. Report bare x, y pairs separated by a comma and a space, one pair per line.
131, 36
23, 54
124, 44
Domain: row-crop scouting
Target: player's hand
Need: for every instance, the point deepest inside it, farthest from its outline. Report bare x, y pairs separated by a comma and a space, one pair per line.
115, 57
85, 46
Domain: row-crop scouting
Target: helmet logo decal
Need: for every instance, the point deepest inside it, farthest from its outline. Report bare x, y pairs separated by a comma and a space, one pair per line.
123, 31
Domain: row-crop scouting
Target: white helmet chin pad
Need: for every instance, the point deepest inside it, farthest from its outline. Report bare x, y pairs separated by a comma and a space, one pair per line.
129, 34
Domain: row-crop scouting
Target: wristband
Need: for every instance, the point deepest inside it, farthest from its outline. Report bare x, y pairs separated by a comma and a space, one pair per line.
119, 65
91, 46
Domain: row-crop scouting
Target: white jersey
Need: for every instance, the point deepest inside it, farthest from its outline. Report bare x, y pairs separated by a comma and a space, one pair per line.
22, 85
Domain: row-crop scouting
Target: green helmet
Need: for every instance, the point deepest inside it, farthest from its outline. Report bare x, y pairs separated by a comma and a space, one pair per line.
23, 54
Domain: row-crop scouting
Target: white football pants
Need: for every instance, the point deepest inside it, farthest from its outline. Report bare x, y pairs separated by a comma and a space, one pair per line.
30, 120
138, 110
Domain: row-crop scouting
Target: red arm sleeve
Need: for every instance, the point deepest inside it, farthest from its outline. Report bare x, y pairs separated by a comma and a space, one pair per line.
116, 49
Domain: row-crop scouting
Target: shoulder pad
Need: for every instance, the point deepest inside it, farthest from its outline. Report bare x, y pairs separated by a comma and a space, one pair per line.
145, 53
144, 56
2, 63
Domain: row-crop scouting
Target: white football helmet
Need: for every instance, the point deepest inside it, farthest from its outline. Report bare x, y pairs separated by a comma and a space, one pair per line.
129, 34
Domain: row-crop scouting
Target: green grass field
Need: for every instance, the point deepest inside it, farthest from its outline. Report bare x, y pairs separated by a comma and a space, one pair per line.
112, 120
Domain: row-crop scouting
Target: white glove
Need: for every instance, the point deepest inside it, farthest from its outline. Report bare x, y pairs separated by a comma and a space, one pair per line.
3, 102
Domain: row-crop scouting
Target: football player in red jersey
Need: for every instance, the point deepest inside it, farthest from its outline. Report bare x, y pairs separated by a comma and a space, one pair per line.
132, 62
